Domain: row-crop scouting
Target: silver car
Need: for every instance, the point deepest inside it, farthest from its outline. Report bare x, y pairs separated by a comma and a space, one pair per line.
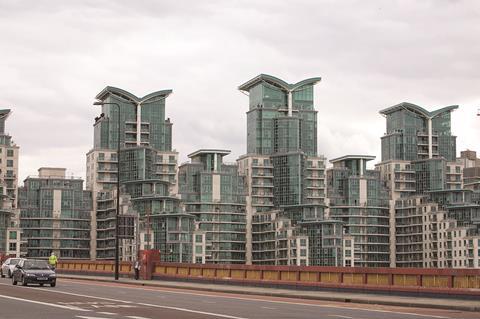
8, 267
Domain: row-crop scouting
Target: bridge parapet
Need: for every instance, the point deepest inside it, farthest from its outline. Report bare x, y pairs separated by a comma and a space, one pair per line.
417, 280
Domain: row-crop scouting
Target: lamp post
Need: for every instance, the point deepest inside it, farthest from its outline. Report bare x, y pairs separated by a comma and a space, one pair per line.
118, 188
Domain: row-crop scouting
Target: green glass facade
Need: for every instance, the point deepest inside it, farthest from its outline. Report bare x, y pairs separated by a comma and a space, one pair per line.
325, 242
282, 125
142, 120
414, 133
360, 200
148, 168
5, 215
214, 193
274, 125
430, 175
55, 216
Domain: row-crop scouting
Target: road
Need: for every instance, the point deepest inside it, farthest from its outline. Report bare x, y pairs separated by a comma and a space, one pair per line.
95, 300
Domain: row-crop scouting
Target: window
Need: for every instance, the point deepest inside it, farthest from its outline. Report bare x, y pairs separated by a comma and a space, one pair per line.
12, 246
13, 235
146, 237
198, 249
10, 153
198, 238
9, 163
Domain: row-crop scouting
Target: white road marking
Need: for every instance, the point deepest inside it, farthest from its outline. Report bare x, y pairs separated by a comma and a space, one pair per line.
230, 297
137, 317
44, 303
167, 290
139, 303
271, 308
107, 313
192, 311
85, 317
338, 316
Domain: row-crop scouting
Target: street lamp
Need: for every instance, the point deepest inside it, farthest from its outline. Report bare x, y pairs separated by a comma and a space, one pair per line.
118, 188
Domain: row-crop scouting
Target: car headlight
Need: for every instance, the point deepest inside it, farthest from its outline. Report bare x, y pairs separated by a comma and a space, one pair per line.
53, 275
30, 275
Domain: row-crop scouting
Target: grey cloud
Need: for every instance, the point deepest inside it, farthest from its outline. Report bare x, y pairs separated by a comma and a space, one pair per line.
56, 55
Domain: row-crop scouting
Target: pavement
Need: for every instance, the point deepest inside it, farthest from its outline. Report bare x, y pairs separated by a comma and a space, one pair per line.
101, 299
345, 297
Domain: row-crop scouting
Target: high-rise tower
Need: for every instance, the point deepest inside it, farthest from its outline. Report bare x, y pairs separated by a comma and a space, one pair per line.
282, 166
414, 133
10, 233
213, 192
148, 168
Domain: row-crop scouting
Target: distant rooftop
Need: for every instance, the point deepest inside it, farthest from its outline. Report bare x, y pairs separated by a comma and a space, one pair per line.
209, 151
129, 97
417, 109
277, 82
351, 157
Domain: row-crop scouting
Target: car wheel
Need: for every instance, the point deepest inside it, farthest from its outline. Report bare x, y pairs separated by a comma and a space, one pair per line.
53, 284
14, 282
24, 281
9, 274
41, 285
1, 273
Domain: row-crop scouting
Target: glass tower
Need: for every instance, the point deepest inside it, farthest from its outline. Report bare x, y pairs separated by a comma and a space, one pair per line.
414, 133
284, 172
359, 199
55, 215
10, 233
148, 168
213, 192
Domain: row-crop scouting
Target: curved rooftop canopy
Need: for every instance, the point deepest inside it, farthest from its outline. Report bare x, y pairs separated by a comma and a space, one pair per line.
4, 114
129, 96
277, 82
352, 157
417, 109
209, 151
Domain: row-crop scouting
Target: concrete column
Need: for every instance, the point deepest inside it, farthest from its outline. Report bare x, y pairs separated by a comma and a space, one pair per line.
290, 106
139, 123
216, 187
430, 139
57, 210
363, 191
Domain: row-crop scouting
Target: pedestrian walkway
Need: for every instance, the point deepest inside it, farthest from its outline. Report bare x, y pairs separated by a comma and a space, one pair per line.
363, 298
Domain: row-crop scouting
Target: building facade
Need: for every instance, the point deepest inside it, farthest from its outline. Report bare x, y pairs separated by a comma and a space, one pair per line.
284, 174
148, 167
429, 207
414, 133
359, 199
55, 215
214, 192
10, 231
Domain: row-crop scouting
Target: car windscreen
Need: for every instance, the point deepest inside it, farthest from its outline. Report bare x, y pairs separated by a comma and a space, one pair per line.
35, 264
14, 261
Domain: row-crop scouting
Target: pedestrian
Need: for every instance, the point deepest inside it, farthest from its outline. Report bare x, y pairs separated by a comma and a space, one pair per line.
136, 267
52, 261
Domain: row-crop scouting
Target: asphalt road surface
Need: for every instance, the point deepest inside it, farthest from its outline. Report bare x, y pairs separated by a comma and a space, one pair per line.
95, 300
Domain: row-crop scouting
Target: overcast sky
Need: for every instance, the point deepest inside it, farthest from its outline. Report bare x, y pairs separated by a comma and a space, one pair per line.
55, 56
